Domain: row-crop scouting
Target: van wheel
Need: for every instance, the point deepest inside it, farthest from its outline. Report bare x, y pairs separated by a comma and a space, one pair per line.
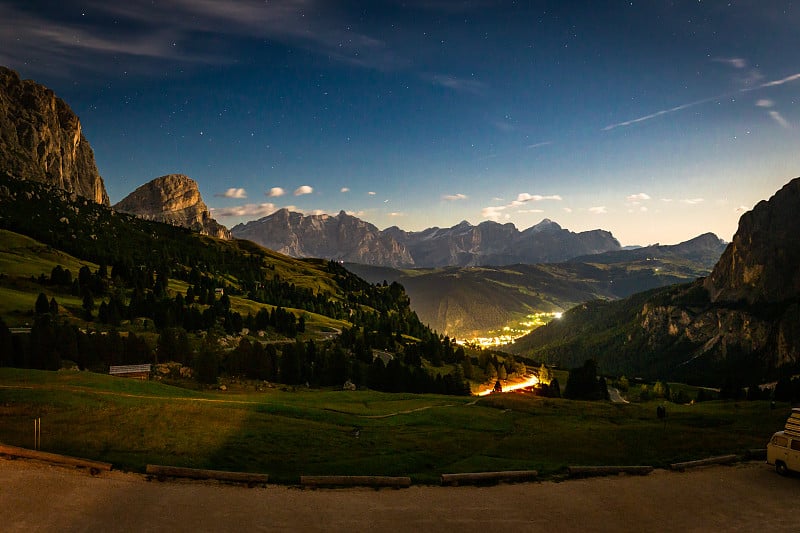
780, 467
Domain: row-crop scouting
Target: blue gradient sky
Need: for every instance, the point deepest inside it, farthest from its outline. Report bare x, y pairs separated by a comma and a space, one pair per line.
655, 120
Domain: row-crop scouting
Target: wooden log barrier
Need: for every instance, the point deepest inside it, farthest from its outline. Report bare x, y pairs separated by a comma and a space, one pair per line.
95, 467
590, 471
355, 481
161, 472
757, 453
473, 478
718, 460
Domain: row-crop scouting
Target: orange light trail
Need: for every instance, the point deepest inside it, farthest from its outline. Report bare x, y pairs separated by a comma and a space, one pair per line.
530, 381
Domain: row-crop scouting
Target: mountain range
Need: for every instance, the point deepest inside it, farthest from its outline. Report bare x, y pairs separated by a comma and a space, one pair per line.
346, 238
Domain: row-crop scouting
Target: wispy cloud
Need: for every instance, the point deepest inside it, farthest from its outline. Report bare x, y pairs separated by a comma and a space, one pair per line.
247, 210
454, 197
751, 87
693, 201
657, 114
303, 189
275, 192
538, 145
233, 193
735, 62
782, 81
372, 193
344, 189
493, 212
777, 117
496, 211
598, 210
764, 102
639, 197
183, 31
456, 84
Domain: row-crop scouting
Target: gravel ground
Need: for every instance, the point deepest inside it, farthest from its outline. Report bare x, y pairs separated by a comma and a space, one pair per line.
744, 497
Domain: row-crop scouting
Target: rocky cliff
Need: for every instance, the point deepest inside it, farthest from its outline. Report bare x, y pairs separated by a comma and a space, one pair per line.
741, 324
41, 139
342, 237
762, 263
353, 240
173, 199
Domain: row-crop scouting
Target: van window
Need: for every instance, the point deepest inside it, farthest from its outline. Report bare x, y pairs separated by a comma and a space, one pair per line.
796, 444
778, 440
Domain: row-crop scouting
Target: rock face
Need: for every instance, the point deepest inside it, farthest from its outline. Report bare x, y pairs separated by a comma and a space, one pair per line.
762, 263
353, 240
491, 243
741, 324
342, 237
41, 139
173, 199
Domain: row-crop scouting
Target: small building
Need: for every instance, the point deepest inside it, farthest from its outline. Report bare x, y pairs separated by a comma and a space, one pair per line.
131, 371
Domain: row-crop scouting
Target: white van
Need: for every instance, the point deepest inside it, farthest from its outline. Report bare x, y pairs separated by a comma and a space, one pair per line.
783, 449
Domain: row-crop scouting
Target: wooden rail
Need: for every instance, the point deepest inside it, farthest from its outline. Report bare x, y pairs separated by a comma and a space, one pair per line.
355, 481
590, 471
472, 478
95, 467
161, 472
718, 460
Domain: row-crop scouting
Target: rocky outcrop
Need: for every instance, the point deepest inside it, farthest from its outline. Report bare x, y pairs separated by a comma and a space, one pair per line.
762, 263
173, 199
342, 237
740, 325
753, 290
41, 139
356, 241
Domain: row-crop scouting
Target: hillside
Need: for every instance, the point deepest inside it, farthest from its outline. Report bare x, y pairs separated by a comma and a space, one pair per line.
741, 324
174, 293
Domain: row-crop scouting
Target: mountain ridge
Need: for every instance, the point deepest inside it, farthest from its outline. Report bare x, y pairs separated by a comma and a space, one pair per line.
350, 239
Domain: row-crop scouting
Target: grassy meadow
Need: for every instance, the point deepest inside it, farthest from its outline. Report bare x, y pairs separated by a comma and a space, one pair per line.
287, 433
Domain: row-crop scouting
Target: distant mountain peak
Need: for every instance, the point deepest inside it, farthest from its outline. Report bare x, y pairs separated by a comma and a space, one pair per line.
545, 224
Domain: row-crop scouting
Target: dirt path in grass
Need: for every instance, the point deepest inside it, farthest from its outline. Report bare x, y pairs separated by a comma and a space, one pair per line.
744, 497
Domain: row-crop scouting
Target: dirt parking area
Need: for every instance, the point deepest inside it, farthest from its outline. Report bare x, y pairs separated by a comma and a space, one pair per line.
743, 497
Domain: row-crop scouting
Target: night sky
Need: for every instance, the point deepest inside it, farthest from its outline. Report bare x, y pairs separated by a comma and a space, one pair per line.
656, 120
